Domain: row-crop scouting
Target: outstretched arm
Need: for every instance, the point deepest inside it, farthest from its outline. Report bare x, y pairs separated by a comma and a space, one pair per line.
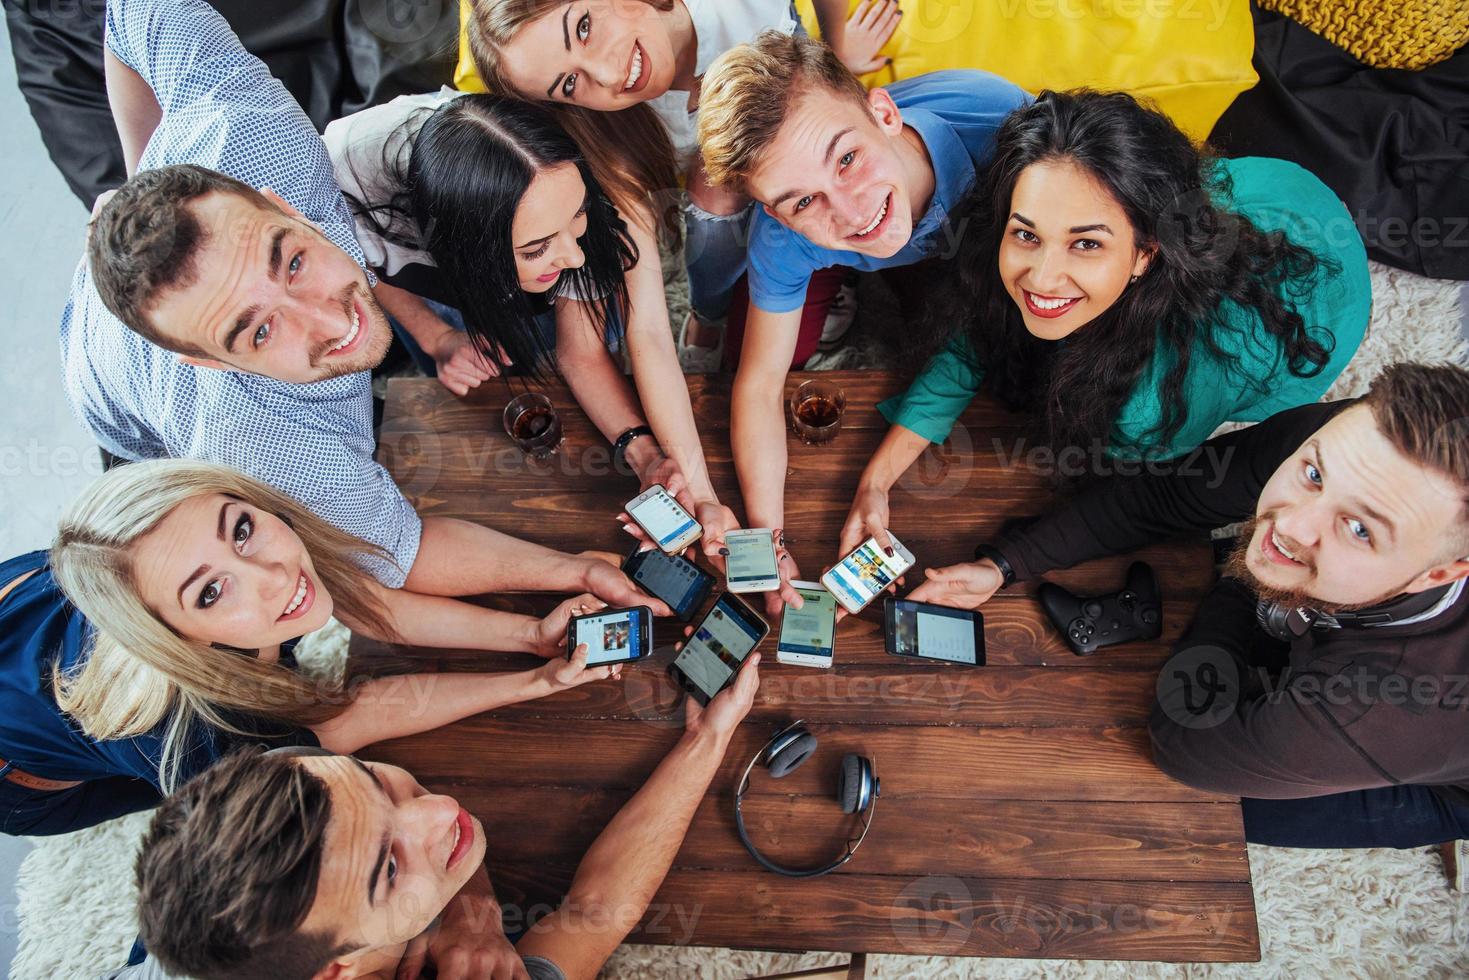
135, 109
629, 860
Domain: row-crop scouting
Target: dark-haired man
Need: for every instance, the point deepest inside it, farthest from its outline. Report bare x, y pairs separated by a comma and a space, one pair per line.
1325, 678
842, 177
224, 312
321, 867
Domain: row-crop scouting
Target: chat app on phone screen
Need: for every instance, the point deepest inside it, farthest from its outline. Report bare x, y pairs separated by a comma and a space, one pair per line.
664, 519
935, 634
810, 629
751, 559
716, 650
613, 636
672, 581
863, 574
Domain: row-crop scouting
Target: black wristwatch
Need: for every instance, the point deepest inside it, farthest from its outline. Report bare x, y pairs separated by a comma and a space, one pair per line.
619, 446
1007, 574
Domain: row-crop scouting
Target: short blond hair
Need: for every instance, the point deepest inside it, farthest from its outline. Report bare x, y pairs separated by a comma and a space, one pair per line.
748, 92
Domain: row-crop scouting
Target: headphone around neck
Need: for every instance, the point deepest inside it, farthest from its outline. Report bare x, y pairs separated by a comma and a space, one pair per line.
857, 790
1287, 623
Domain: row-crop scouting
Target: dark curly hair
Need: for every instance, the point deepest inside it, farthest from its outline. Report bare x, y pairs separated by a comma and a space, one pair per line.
1202, 255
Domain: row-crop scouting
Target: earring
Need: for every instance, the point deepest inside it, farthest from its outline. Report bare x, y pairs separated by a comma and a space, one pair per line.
1132, 280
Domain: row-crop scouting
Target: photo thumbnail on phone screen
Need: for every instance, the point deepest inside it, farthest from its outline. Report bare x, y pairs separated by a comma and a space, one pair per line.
611, 636
863, 574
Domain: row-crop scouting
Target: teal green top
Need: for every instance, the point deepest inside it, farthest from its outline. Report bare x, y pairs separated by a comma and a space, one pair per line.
1275, 195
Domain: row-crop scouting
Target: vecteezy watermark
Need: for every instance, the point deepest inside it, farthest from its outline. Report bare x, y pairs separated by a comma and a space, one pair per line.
39, 460
1199, 687
1207, 462
933, 912
406, 21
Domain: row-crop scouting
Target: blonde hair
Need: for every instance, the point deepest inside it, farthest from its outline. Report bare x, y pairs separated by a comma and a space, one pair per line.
138, 671
747, 94
628, 150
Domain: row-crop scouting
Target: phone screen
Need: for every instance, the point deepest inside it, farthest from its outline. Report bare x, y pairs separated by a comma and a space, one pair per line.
811, 629
720, 644
675, 580
751, 559
610, 636
933, 632
662, 517
863, 574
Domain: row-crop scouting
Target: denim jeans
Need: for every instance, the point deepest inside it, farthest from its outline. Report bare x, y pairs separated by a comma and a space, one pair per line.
1391, 816
716, 250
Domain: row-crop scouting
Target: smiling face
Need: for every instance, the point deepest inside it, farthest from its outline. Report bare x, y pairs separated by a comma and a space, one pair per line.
551, 216
1350, 521
1068, 249
219, 571
393, 855
836, 173
272, 296
598, 54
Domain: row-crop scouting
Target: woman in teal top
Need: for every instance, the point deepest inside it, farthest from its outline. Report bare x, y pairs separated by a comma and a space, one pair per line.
1129, 291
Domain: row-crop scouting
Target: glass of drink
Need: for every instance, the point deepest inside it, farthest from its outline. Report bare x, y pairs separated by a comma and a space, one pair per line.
816, 411
531, 420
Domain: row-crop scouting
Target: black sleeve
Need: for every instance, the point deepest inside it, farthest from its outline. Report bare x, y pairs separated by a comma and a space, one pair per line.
1217, 484
1224, 724
41, 813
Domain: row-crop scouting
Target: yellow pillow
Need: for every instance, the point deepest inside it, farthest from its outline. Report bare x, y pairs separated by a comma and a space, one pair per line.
1191, 56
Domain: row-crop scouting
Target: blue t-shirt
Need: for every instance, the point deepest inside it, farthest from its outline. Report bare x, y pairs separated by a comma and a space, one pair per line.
956, 114
40, 628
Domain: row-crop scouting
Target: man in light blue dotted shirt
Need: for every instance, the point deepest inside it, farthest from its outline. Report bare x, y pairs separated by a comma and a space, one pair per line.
239, 324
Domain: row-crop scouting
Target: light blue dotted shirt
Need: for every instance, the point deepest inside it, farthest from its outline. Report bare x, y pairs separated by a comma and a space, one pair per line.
222, 109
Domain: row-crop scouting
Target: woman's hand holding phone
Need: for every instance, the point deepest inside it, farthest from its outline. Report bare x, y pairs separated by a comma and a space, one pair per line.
868, 518
964, 586
717, 520
785, 563
563, 674
548, 636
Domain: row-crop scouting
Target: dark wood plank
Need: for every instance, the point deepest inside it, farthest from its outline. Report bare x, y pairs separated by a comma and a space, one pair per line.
955, 762
989, 839
942, 915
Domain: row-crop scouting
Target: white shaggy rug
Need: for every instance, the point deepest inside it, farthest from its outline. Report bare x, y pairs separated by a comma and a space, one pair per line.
1337, 914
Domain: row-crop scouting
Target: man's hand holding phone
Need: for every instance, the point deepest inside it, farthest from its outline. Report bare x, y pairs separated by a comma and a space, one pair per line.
964, 586
728, 708
603, 578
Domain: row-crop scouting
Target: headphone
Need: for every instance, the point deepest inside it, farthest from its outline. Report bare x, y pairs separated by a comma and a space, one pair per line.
1288, 623
857, 790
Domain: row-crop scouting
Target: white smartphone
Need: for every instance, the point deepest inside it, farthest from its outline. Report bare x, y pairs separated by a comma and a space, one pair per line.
668, 524
861, 576
751, 565
808, 634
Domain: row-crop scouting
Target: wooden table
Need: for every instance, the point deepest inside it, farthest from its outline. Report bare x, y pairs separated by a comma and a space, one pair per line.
1021, 814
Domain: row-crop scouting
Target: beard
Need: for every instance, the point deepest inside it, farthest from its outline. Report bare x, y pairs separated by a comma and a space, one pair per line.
375, 345
1237, 567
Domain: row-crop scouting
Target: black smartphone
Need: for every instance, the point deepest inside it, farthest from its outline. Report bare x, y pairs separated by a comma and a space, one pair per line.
930, 632
711, 657
672, 578
612, 636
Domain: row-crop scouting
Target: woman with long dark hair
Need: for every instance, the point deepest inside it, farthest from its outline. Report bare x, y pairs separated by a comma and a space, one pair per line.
486, 205
1130, 291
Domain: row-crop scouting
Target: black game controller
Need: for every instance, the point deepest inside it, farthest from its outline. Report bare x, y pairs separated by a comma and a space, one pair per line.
1092, 622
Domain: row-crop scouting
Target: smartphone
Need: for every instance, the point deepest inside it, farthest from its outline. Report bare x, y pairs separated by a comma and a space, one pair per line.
672, 578
612, 636
667, 523
808, 634
751, 565
929, 632
727, 634
861, 576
